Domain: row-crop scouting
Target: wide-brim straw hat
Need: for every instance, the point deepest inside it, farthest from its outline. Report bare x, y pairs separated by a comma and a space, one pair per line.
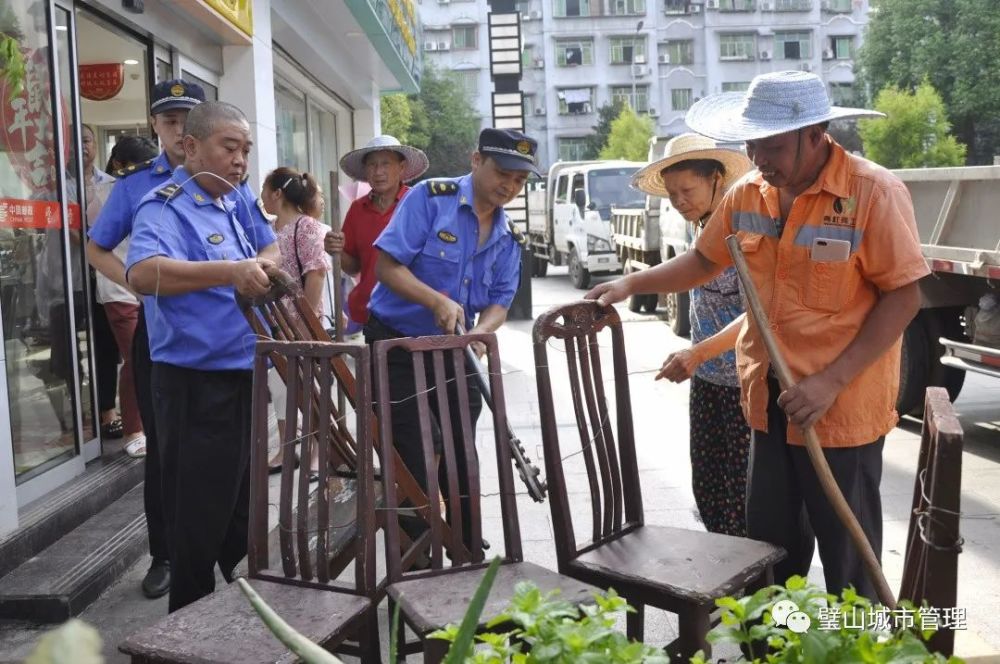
685, 148
775, 103
353, 163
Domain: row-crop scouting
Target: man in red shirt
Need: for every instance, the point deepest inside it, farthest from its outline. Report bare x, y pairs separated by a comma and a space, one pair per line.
385, 165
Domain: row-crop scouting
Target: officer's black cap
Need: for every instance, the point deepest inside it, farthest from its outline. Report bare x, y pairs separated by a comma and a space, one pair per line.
175, 94
510, 149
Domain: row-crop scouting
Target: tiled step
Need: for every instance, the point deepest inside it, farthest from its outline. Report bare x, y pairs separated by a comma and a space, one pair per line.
50, 517
63, 579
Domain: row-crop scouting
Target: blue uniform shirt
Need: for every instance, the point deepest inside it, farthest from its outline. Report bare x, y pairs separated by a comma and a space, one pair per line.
204, 329
114, 223
435, 232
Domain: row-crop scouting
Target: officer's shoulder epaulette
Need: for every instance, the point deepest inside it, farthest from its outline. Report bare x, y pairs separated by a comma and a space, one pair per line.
134, 168
516, 232
442, 187
168, 190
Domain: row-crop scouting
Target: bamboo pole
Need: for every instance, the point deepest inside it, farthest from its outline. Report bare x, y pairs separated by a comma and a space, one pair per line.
813, 446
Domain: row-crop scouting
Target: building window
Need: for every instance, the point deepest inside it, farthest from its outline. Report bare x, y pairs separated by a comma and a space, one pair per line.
573, 149
736, 5
676, 6
736, 47
528, 56
837, 6
792, 5
576, 101
678, 52
626, 50
570, 8
842, 94
680, 99
569, 53
736, 86
842, 47
793, 45
626, 7
639, 103
469, 80
464, 36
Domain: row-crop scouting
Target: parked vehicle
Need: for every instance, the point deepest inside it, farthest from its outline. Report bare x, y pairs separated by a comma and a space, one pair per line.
958, 327
569, 219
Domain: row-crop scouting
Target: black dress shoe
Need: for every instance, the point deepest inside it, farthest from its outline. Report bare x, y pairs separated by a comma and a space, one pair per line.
157, 581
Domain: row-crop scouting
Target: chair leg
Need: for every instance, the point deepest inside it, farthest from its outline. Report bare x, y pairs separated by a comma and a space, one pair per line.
435, 650
368, 640
692, 627
635, 623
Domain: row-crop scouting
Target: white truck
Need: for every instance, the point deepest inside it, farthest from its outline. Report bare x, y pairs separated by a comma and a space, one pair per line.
569, 218
958, 220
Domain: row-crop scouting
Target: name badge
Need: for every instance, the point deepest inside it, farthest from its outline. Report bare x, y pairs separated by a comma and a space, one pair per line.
215, 238
447, 237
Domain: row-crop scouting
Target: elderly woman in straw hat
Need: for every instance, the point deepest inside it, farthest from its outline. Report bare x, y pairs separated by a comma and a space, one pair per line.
386, 165
694, 174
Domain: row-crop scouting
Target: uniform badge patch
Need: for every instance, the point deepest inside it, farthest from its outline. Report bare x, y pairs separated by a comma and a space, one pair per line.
442, 187
447, 237
177, 90
215, 238
524, 147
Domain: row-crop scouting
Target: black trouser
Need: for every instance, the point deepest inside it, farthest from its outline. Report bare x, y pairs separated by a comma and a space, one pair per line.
106, 356
203, 420
406, 418
786, 504
152, 492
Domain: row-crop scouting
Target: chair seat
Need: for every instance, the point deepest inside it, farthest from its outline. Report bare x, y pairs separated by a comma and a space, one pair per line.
224, 628
432, 602
688, 565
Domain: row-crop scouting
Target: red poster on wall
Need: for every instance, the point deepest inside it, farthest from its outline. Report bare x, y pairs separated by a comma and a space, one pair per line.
101, 82
39, 215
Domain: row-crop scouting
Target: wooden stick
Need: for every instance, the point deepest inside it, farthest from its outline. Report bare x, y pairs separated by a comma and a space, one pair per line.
338, 290
813, 446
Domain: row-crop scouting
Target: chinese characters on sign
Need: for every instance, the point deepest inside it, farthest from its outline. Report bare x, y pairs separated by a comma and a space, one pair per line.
101, 82
42, 215
880, 618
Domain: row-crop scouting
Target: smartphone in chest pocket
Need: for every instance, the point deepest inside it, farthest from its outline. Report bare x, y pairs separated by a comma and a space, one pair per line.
825, 250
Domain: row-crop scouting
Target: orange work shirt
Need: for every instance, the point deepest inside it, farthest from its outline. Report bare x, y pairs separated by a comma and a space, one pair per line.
816, 308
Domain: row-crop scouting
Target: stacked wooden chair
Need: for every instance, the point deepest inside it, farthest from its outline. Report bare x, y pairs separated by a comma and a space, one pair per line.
299, 576
678, 570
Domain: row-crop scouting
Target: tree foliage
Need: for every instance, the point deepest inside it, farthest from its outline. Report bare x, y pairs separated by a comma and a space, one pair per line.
948, 43
915, 133
606, 114
629, 137
439, 120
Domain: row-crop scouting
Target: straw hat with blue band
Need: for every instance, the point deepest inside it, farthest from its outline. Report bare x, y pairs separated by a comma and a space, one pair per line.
353, 163
687, 147
775, 103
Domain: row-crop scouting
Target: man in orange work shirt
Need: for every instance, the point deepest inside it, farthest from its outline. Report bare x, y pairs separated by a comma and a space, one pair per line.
385, 165
832, 245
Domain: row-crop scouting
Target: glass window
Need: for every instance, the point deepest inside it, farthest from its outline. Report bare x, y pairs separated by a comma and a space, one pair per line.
678, 51
736, 46
469, 80
576, 101
842, 94
676, 7
323, 151
290, 120
736, 86
464, 36
164, 70
528, 56
680, 99
579, 52
625, 50
211, 91
736, 5
610, 186
570, 8
639, 103
792, 5
843, 47
571, 149
793, 45
837, 6
626, 7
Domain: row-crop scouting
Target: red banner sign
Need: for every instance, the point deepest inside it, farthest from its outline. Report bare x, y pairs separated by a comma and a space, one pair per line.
39, 215
101, 82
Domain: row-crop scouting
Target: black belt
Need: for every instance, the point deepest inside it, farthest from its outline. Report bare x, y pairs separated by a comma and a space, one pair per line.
378, 330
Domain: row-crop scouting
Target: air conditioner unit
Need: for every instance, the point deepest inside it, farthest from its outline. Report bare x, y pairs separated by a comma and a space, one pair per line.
444, 46
711, 4
766, 6
443, 2
765, 55
805, 66
828, 54
638, 71
694, 9
430, 46
540, 111
653, 113
639, 59
535, 15
539, 63
665, 59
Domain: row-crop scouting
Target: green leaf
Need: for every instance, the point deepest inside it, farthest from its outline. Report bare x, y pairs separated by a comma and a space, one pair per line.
309, 652
460, 648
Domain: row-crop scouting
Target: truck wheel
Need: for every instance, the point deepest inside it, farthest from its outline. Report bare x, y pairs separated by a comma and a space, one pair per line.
577, 272
635, 303
650, 304
541, 266
678, 313
914, 368
943, 322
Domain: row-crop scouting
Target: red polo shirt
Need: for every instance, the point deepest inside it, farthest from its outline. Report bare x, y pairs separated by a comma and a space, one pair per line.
362, 226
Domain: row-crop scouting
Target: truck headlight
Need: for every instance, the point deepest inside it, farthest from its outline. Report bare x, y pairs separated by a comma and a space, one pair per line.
596, 244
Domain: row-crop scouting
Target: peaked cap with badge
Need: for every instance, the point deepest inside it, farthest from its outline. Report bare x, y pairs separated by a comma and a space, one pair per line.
175, 94
510, 149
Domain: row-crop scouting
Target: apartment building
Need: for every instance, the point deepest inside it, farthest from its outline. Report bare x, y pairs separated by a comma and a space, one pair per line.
660, 55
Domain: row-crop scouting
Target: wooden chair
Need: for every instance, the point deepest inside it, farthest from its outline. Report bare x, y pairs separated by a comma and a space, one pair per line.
431, 599
930, 570
678, 570
315, 536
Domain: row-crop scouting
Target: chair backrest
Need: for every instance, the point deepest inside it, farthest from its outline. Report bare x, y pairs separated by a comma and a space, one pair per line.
317, 535
611, 467
930, 570
436, 361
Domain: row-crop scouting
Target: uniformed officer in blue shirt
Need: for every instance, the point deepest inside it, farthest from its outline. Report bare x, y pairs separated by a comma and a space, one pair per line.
449, 254
171, 101
189, 255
